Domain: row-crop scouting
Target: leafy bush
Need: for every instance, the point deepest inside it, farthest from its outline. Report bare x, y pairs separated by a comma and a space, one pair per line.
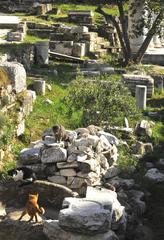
102, 100
6, 130
3, 120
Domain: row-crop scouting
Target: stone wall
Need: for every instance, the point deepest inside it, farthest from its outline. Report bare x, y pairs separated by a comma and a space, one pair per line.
13, 90
132, 80
90, 152
78, 41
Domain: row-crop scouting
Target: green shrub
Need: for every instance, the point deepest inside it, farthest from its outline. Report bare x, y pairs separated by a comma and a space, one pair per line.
3, 120
102, 100
4, 101
6, 130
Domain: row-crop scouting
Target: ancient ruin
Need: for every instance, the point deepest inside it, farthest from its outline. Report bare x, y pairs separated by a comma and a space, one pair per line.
98, 182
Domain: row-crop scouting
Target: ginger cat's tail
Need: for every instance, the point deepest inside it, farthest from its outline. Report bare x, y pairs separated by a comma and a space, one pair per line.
41, 210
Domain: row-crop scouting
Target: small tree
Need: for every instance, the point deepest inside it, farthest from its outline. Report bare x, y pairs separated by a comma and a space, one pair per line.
102, 101
153, 6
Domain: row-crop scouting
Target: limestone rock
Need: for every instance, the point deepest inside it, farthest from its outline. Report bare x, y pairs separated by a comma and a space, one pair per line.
33, 95
103, 162
48, 102
50, 169
20, 128
39, 169
71, 158
108, 199
48, 140
144, 127
82, 131
105, 145
111, 138
75, 182
54, 232
91, 140
154, 175
85, 216
72, 135
58, 179
37, 144
53, 154
103, 196
93, 130
70, 172
87, 166
119, 183
26, 101
64, 165
29, 156
47, 132
112, 172
79, 29
2, 210
92, 177
71, 150
17, 75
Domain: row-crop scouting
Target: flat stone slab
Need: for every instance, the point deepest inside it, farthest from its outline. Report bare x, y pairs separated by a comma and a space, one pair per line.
9, 20
54, 232
84, 216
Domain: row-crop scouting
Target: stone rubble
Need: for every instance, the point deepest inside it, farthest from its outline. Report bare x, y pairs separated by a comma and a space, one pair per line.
88, 156
95, 215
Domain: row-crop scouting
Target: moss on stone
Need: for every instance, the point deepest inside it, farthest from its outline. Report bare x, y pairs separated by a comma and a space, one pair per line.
4, 78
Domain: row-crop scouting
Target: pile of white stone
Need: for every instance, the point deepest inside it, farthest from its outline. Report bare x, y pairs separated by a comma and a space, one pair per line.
89, 155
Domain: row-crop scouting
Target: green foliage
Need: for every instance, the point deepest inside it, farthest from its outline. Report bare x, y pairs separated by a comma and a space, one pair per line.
32, 39
102, 100
46, 115
126, 159
4, 101
3, 120
6, 130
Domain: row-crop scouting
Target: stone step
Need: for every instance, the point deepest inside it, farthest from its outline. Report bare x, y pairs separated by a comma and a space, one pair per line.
100, 53
90, 36
105, 44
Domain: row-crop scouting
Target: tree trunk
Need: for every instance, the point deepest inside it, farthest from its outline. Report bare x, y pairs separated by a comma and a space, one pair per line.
138, 57
124, 27
110, 18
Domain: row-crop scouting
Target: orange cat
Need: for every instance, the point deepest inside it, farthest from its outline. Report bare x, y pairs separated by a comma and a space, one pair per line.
32, 208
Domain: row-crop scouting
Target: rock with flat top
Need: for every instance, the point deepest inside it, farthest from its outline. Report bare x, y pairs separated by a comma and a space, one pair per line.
111, 138
17, 75
154, 175
30, 156
54, 232
86, 217
53, 154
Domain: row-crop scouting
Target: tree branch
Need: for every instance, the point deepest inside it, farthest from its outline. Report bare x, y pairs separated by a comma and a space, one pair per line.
110, 18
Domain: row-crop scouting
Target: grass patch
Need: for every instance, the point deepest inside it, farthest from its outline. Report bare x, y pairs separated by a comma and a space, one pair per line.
64, 8
46, 115
33, 39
